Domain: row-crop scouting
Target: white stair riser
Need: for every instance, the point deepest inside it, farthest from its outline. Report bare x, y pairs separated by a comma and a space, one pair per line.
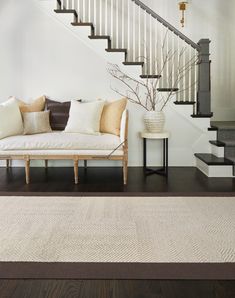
217, 151
214, 171
212, 135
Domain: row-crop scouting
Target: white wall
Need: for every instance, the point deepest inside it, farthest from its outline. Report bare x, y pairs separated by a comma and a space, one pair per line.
214, 19
40, 56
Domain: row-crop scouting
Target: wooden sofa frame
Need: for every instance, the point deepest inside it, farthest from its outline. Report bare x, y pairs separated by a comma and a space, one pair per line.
75, 158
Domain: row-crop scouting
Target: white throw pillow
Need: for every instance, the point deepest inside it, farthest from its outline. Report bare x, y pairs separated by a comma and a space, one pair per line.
85, 117
11, 123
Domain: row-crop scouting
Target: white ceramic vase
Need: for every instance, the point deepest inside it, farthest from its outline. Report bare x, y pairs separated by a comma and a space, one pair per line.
154, 121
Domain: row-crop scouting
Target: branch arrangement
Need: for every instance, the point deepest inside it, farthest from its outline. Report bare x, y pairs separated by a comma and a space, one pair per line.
171, 68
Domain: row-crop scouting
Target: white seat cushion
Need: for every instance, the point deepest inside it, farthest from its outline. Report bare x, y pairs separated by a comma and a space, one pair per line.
60, 141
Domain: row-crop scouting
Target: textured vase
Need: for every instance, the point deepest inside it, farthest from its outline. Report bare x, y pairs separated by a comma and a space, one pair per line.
154, 121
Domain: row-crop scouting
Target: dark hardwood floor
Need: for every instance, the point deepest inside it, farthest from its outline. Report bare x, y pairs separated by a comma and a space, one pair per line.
116, 289
108, 181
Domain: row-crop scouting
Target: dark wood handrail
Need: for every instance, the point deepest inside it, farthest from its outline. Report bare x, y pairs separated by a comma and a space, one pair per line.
167, 25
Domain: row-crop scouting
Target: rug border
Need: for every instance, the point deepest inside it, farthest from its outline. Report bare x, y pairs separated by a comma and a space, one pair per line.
120, 271
116, 194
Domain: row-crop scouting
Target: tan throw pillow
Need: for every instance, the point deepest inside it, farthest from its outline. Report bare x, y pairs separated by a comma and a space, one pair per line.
36, 122
37, 105
111, 117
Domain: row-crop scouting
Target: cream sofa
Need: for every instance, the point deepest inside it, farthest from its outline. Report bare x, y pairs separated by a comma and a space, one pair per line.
67, 146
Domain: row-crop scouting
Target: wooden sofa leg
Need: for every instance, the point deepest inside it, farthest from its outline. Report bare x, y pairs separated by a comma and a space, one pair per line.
76, 171
8, 163
27, 171
46, 163
125, 171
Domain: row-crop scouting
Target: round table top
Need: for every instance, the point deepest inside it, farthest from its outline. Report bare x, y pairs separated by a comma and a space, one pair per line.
157, 135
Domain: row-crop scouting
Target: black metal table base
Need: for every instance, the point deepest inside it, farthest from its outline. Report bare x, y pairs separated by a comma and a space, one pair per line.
161, 171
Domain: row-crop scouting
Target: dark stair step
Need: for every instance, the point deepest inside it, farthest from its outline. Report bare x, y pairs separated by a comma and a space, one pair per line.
133, 63
184, 102
66, 11
223, 125
202, 115
212, 160
100, 37
150, 76
116, 50
82, 24
217, 143
212, 128
167, 89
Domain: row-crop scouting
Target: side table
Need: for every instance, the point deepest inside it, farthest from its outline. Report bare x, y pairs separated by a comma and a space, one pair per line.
164, 136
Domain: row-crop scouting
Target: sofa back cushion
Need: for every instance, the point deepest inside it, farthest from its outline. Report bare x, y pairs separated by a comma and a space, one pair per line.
37, 105
36, 122
59, 113
10, 119
111, 116
85, 117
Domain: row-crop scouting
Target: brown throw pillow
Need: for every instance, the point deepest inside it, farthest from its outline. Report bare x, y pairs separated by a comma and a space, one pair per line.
111, 117
59, 113
37, 105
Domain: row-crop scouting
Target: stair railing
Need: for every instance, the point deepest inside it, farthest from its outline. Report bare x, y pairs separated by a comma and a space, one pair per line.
152, 42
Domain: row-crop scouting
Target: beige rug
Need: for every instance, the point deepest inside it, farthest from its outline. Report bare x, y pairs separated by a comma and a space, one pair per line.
125, 229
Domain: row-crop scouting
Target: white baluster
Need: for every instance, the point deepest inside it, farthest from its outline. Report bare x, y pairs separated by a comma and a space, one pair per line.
106, 17
128, 27
134, 31
112, 22
139, 32
116, 32
123, 24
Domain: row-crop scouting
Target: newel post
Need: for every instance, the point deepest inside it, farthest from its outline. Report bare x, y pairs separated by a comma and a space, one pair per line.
204, 79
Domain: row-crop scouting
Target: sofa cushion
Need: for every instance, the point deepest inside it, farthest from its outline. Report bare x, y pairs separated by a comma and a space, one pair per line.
10, 119
85, 117
36, 122
59, 113
111, 116
37, 105
60, 141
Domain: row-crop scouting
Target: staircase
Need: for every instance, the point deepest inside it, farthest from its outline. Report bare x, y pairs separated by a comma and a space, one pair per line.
161, 51
221, 162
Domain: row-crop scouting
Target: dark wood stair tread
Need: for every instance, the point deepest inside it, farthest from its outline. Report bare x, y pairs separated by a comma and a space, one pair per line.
99, 37
167, 89
66, 11
212, 160
184, 102
217, 143
212, 128
116, 50
82, 24
133, 63
150, 76
202, 115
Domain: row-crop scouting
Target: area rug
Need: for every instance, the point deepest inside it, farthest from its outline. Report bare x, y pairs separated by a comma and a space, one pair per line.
117, 237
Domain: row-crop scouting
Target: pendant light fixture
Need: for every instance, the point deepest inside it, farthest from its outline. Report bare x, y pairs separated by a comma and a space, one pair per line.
183, 7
